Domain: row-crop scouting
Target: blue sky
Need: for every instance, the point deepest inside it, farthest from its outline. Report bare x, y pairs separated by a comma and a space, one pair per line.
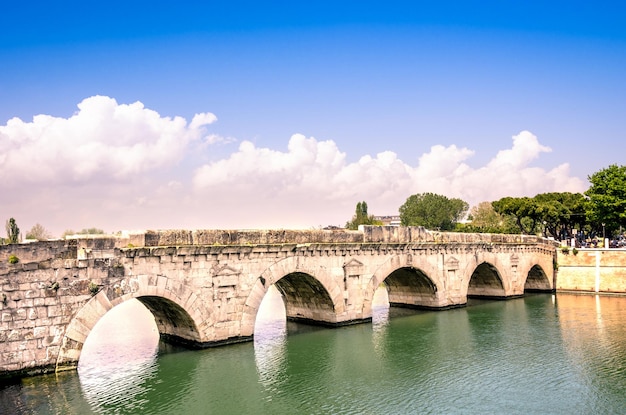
315, 107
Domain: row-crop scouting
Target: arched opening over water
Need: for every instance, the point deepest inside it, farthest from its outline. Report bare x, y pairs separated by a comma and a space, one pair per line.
306, 300
174, 323
271, 318
380, 305
485, 282
137, 323
537, 281
270, 336
409, 287
119, 354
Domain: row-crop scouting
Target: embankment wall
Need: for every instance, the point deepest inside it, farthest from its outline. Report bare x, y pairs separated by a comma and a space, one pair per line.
592, 270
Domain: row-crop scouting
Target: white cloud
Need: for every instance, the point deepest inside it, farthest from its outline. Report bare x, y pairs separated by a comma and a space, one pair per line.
117, 166
526, 148
316, 174
103, 140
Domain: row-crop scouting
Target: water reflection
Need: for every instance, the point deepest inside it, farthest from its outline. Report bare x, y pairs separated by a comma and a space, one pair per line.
270, 340
528, 355
380, 319
594, 337
119, 358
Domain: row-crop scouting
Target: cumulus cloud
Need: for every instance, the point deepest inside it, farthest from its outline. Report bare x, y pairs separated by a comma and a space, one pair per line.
103, 140
123, 166
319, 172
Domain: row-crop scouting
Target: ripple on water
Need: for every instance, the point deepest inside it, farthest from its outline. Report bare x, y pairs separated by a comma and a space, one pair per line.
515, 357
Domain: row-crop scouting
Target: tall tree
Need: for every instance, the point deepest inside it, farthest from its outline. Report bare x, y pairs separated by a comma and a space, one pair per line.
432, 211
13, 232
361, 217
607, 198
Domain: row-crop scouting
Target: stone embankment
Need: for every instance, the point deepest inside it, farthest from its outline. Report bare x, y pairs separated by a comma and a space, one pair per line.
591, 270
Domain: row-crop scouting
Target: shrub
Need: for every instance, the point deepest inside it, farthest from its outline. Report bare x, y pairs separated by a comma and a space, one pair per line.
93, 288
565, 250
13, 259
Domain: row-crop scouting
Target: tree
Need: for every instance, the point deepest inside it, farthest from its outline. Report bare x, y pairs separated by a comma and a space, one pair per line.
361, 217
552, 214
606, 207
38, 232
483, 218
13, 232
560, 213
432, 211
523, 209
87, 231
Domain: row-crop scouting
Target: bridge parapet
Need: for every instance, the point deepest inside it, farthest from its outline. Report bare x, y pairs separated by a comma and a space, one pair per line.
239, 237
417, 234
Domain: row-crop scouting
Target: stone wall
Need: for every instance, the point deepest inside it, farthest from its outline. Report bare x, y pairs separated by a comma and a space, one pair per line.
593, 270
39, 295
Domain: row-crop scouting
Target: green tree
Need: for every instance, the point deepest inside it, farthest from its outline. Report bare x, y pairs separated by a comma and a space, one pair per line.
607, 199
432, 211
523, 209
560, 213
13, 232
483, 218
38, 232
550, 214
361, 217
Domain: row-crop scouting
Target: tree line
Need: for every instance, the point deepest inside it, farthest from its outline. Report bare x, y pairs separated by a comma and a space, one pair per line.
599, 211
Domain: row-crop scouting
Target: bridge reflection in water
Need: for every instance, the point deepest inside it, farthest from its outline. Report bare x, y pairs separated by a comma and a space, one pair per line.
557, 354
121, 352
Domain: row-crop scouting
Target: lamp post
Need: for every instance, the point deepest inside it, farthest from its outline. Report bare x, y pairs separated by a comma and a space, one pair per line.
604, 244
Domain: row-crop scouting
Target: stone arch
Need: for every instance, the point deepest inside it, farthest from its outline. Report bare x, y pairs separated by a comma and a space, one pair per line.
537, 280
409, 284
310, 293
306, 299
178, 318
410, 287
486, 281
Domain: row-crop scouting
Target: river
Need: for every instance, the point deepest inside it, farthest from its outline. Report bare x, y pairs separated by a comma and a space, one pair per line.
541, 354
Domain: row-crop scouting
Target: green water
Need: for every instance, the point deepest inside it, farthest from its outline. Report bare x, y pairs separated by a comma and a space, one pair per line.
542, 354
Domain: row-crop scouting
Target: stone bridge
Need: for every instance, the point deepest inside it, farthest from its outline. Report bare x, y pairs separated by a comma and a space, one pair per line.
205, 287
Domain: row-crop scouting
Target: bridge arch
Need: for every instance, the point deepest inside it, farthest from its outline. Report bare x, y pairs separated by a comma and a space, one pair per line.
179, 319
486, 281
537, 279
310, 293
408, 283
